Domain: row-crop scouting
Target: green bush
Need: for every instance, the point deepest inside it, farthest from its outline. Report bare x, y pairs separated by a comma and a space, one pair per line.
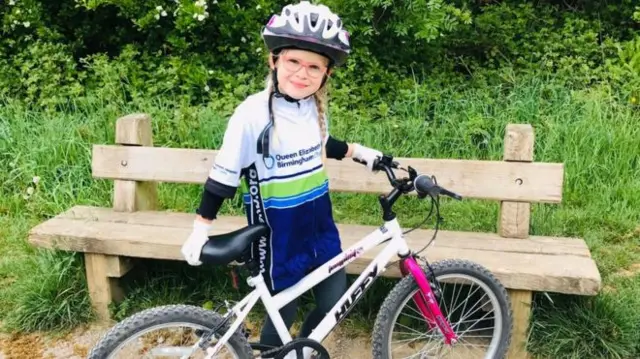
56, 51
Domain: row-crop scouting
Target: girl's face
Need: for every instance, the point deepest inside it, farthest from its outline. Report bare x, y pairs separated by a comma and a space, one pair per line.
300, 72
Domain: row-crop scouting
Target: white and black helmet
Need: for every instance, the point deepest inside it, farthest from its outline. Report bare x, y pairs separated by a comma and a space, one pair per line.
309, 27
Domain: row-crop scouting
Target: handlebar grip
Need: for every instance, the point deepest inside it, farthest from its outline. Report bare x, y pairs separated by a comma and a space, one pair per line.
451, 194
423, 184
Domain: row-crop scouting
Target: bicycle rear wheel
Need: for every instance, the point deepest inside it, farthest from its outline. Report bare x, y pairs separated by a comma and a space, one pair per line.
150, 333
482, 321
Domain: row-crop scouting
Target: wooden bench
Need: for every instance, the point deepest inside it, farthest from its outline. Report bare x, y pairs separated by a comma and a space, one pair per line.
111, 237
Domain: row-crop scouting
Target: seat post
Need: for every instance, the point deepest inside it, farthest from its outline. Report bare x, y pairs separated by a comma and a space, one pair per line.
250, 263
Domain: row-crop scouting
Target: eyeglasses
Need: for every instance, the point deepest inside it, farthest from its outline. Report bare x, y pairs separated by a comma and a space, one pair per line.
314, 70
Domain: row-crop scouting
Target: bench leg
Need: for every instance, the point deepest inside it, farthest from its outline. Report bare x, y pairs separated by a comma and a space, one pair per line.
103, 289
521, 305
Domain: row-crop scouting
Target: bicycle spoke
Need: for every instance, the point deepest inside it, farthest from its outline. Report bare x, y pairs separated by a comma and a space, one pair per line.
472, 315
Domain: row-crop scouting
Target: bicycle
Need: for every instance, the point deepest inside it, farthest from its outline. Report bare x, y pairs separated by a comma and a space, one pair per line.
420, 283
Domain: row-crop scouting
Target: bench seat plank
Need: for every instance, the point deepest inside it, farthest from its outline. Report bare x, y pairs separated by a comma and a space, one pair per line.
562, 265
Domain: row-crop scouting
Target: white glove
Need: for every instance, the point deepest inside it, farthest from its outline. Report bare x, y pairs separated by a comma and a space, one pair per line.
192, 247
366, 154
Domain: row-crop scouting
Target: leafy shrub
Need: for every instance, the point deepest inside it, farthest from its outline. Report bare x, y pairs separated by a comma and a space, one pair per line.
54, 51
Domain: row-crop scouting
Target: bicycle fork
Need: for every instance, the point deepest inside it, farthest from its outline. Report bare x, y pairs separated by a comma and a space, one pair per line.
425, 300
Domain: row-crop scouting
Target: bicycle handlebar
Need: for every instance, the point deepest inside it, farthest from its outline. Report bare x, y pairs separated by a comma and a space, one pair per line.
423, 184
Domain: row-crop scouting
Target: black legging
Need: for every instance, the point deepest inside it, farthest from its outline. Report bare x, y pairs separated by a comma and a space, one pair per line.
326, 295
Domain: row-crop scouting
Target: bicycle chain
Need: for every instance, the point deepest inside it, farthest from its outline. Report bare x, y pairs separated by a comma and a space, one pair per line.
268, 353
291, 346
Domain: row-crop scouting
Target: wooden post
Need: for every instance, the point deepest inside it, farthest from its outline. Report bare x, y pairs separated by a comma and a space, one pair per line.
131, 196
102, 270
514, 222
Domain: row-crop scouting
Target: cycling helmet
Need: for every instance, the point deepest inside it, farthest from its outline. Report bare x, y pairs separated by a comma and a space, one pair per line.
309, 27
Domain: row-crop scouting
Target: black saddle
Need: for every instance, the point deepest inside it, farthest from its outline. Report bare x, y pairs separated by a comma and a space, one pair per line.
223, 249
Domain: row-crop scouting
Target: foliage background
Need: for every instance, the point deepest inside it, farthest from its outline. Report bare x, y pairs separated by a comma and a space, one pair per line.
431, 77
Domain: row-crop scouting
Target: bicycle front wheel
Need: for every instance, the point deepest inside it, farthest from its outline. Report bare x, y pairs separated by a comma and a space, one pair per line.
474, 302
167, 332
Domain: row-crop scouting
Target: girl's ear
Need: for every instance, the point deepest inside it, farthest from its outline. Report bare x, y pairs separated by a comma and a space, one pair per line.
272, 65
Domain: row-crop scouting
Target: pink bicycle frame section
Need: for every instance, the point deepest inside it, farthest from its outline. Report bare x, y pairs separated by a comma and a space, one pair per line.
425, 300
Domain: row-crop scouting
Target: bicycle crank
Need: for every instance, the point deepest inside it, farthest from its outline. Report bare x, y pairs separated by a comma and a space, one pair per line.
299, 346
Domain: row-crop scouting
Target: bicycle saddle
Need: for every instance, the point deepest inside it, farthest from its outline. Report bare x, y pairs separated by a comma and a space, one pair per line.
223, 249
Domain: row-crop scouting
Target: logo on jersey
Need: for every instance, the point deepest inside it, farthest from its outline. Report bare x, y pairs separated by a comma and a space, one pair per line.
298, 157
257, 215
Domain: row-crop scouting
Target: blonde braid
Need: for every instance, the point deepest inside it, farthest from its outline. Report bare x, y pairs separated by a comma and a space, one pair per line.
270, 89
321, 104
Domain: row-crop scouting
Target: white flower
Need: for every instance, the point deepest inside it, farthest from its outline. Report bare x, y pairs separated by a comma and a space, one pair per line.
210, 72
163, 13
243, 39
201, 3
259, 49
159, 8
26, 24
30, 191
200, 17
36, 179
206, 88
157, 16
258, 7
195, 16
12, 2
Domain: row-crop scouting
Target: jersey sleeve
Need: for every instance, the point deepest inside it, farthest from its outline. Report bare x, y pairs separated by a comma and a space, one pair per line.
233, 156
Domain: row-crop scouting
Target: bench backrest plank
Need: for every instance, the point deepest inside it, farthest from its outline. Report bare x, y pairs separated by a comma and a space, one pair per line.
495, 180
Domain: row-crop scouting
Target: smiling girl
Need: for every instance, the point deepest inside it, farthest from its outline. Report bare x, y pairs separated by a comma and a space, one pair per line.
277, 141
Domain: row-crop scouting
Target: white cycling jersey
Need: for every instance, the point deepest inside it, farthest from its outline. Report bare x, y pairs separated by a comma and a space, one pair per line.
289, 191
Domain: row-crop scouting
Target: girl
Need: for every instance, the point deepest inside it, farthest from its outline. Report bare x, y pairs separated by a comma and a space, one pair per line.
278, 141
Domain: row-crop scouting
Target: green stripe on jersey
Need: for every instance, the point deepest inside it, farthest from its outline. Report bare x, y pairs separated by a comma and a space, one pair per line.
294, 187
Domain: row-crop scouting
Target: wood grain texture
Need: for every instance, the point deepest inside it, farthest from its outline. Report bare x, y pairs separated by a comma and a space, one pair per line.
538, 264
514, 221
102, 289
129, 195
521, 305
134, 130
496, 180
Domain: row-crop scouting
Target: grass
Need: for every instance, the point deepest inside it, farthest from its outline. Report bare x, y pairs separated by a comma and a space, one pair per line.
594, 132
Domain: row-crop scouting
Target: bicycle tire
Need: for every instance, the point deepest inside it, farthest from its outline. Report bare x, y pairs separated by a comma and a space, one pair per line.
398, 295
165, 315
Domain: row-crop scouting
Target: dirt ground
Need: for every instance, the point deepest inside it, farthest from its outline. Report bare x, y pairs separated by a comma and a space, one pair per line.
76, 345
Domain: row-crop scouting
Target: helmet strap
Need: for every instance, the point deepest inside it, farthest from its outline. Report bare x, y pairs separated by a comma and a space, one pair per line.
263, 138
277, 92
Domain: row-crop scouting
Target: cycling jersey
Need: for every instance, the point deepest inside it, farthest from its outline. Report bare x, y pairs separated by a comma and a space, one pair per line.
288, 191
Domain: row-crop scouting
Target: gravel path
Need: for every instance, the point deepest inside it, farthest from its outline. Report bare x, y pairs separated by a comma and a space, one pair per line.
76, 344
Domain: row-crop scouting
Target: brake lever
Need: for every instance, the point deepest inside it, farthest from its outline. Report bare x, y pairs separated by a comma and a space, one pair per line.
448, 193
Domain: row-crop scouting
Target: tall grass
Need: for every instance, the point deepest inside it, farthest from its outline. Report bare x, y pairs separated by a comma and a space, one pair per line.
594, 132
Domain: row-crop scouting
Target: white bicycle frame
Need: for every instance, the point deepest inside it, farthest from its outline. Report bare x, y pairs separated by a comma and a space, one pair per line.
396, 246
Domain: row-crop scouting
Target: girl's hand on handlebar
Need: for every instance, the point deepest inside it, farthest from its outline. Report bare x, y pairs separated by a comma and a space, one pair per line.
365, 155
